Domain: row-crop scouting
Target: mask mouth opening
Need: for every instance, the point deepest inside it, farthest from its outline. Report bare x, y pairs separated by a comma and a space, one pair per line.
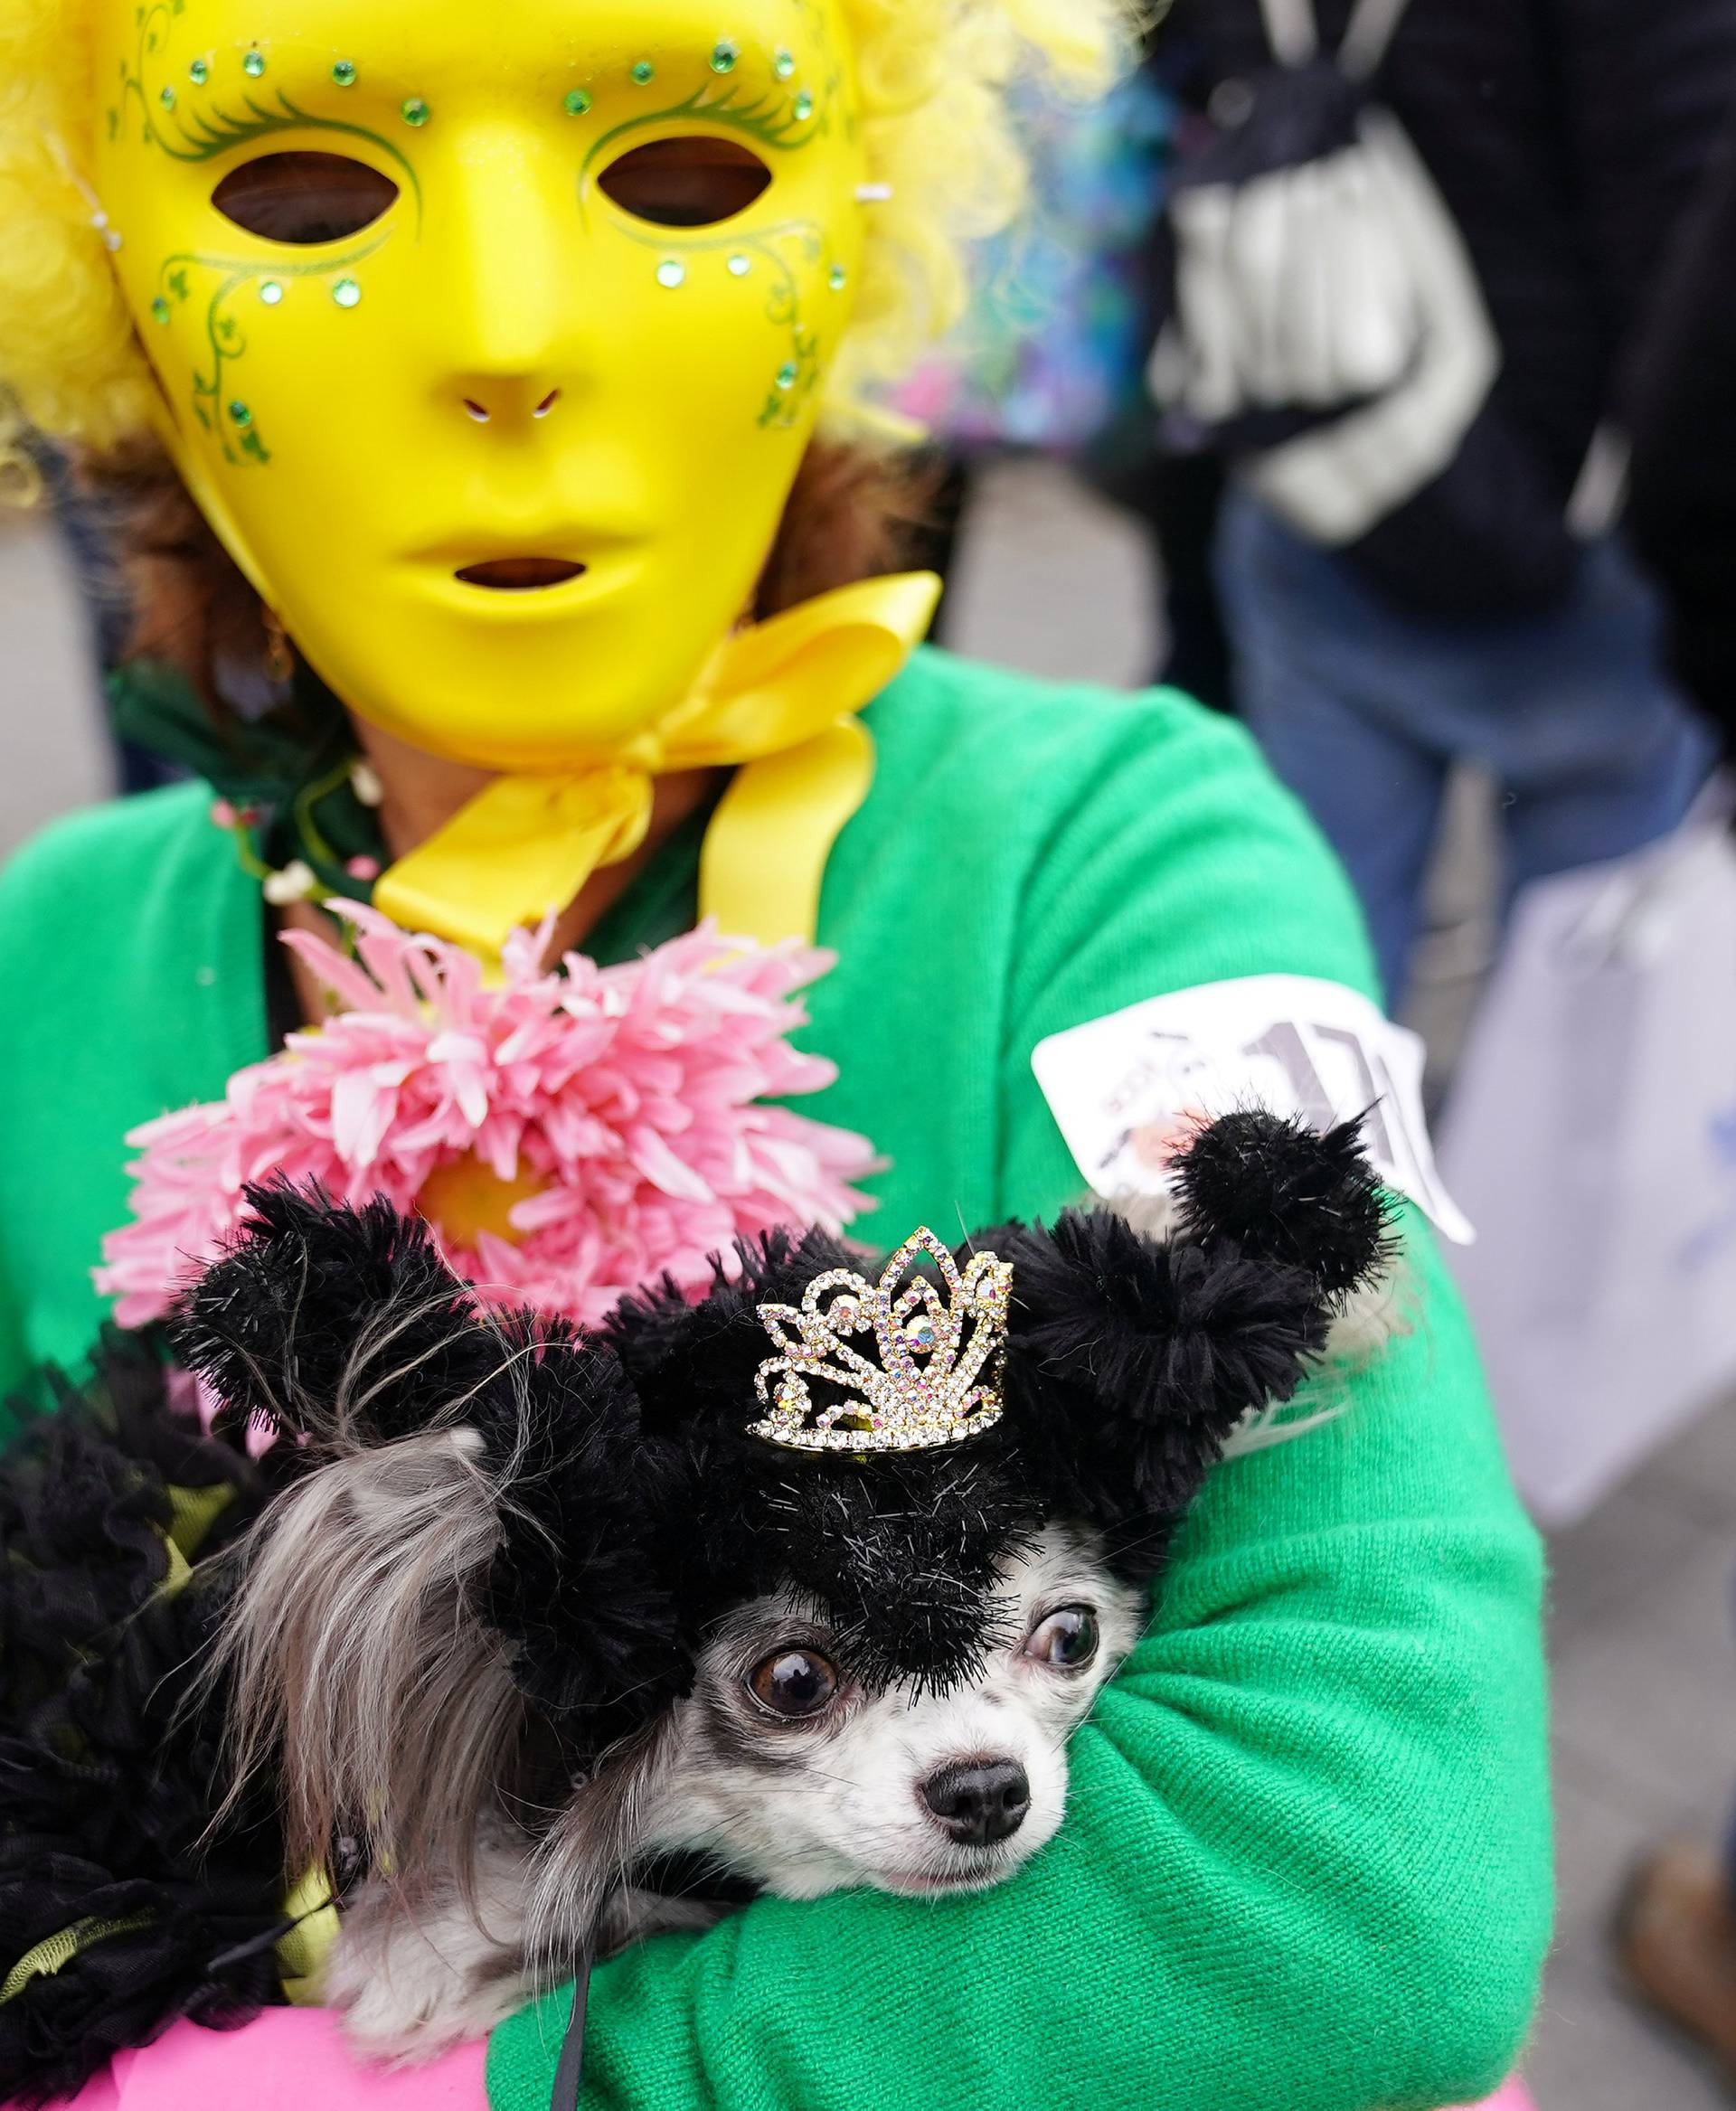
519, 575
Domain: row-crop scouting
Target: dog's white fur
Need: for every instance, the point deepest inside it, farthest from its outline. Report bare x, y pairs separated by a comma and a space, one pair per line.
802, 1808
837, 1806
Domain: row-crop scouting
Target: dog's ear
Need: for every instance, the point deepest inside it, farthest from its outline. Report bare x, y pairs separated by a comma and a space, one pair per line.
329, 1324
411, 1609
1130, 1362
520, 1538
360, 1675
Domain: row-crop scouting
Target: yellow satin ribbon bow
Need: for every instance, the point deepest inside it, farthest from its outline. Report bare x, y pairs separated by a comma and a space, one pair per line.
778, 702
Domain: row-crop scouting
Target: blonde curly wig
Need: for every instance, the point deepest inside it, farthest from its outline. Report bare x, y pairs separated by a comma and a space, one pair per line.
934, 80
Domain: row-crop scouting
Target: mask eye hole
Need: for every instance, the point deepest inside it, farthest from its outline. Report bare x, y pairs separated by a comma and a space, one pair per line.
304, 198
685, 182
794, 1683
1067, 1640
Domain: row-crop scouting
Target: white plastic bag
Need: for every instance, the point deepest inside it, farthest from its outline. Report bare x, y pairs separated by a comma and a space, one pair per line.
1591, 1139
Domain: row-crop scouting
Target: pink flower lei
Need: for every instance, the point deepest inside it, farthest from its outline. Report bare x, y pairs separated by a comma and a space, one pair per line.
570, 1134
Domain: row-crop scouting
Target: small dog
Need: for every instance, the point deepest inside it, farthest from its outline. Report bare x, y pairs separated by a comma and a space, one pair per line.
539, 1638
779, 1768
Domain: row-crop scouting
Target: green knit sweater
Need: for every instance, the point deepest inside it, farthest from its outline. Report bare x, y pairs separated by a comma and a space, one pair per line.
1306, 1864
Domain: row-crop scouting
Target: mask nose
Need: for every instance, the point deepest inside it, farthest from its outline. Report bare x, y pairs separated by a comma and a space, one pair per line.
509, 402
513, 322
979, 1800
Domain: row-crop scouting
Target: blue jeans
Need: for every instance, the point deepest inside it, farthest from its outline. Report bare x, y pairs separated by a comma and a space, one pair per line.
1362, 711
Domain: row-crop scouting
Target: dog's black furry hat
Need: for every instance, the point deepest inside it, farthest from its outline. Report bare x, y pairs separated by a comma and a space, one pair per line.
899, 1551
108, 1757
634, 1506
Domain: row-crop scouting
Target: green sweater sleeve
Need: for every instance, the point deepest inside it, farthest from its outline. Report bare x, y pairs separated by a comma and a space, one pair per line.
1306, 1862
129, 960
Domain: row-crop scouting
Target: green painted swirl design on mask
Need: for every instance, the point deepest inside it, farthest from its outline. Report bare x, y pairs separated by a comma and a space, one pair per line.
197, 133
771, 118
799, 375
835, 96
229, 421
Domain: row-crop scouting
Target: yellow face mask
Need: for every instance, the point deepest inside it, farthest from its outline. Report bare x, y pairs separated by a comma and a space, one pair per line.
489, 338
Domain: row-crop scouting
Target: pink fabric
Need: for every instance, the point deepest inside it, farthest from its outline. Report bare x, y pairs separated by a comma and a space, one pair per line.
287, 2060
294, 2060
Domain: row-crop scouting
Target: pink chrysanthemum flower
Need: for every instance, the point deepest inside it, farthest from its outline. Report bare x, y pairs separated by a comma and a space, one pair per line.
569, 1135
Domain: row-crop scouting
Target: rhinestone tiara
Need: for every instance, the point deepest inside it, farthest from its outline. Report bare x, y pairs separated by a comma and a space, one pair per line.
935, 1374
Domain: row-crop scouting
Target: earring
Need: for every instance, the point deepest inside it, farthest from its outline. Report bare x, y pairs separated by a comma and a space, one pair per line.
279, 661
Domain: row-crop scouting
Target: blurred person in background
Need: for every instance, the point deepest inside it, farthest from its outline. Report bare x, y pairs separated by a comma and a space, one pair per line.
1677, 1926
1680, 416
1407, 265
1175, 497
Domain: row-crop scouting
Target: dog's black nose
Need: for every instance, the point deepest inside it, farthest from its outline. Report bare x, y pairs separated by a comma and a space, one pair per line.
979, 1800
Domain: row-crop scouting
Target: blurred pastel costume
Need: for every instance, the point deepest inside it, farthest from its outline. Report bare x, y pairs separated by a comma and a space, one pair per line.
1055, 337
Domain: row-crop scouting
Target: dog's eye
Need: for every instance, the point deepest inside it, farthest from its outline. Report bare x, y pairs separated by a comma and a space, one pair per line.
1066, 1639
794, 1683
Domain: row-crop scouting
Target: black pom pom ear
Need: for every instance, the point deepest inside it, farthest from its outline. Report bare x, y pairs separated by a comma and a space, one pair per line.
1129, 1362
1284, 1192
328, 1322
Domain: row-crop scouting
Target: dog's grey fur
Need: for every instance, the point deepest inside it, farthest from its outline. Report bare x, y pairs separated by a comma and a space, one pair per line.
356, 1665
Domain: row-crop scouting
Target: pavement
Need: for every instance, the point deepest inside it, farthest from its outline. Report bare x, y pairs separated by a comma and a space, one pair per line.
1641, 1614
52, 751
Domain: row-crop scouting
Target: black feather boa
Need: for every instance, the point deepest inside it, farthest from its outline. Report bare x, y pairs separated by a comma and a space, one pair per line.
105, 1789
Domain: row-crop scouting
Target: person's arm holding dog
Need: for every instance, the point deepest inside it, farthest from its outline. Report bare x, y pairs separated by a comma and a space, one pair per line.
1305, 1854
